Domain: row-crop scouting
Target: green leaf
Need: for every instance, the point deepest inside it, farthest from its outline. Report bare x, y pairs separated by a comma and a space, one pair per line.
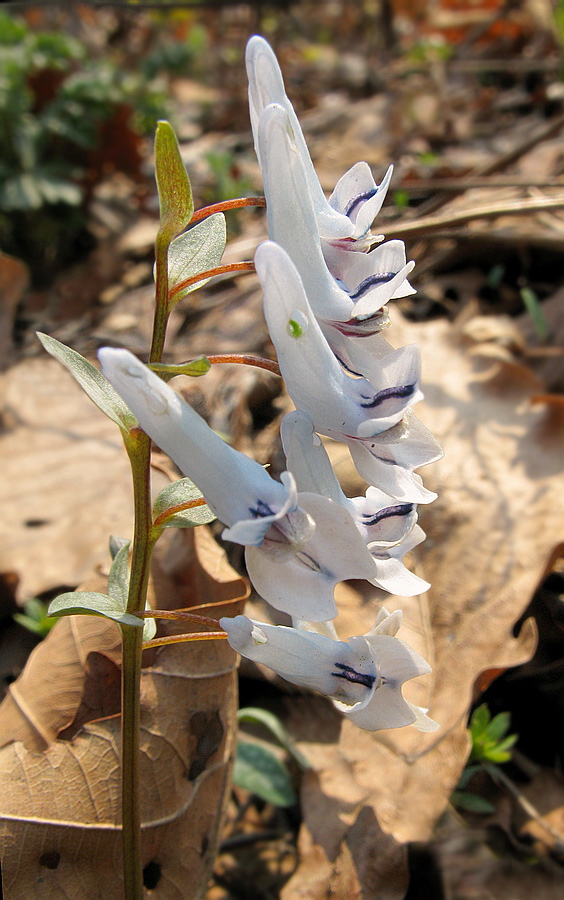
534, 308
176, 494
173, 184
508, 742
116, 543
118, 579
259, 771
89, 603
467, 774
34, 617
58, 190
21, 192
197, 250
480, 720
149, 628
499, 753
92, 382
498, 726
257, 716
194, 368
471, 802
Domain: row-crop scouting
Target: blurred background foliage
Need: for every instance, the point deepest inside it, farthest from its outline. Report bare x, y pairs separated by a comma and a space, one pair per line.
82, 85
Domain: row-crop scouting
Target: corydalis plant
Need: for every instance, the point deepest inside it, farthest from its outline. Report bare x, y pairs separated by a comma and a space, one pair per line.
325, 292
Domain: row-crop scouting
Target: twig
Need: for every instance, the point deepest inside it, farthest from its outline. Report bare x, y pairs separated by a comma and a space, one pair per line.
463, 183
499, 162
424, 225
499, 776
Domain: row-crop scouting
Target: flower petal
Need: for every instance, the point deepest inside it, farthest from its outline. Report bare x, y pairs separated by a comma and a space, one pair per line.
291, 215
235, 487
266, 87
338, 405
394, 577
300, 580
307, 458
397, 663
358, 197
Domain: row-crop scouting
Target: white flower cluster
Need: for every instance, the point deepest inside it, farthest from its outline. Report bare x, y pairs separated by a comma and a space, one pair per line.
325, 292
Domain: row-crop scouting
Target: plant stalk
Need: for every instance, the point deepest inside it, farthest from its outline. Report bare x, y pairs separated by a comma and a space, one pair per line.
138, 446
130, 762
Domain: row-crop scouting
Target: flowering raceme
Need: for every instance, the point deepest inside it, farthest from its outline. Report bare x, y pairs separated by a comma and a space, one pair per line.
325, 293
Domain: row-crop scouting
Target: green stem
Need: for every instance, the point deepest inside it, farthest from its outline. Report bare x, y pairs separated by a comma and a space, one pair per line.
130, 775
138, 446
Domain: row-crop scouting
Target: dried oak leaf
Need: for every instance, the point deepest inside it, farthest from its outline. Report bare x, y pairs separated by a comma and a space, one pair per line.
56, 450
489, 537
60, 808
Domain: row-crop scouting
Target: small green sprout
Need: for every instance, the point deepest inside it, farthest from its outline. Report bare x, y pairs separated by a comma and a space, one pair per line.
34, 617
491, 745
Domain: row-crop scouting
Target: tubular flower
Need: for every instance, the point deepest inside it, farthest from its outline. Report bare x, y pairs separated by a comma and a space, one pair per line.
363, 676
372, 417
298, 545
344, 219
350, 295
389, 528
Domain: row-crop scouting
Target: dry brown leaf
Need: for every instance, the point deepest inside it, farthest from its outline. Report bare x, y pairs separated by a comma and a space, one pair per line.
44, 699
60, 808
66, 477
490, 536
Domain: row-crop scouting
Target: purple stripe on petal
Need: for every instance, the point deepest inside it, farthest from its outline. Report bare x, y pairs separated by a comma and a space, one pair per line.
370, 282
350, 674
402, 509
261, 510
401, 392
360, 198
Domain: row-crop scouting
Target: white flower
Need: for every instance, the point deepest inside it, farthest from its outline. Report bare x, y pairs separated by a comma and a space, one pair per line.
350, 297
363, 675
372, 417
298, 545
343, 220
388, 527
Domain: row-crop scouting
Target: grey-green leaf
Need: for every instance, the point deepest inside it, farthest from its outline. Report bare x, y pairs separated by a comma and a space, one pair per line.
257, 716
149, 629
259, 771
197, 250
92, 382
471, 802
118, 579
177, 494
89, 603
116, 543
